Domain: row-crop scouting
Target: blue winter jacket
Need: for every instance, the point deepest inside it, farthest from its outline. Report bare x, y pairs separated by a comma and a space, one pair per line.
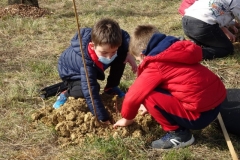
70, 67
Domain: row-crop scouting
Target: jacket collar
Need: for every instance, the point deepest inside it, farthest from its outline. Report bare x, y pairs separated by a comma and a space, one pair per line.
94, 57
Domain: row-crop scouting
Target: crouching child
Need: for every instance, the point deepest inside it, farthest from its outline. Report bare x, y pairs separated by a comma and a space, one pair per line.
174, 88
104, 46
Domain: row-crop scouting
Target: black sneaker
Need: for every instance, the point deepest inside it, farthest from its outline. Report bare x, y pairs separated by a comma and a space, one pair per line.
174, 139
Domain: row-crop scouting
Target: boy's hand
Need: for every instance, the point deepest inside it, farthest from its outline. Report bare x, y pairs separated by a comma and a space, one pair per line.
122, 123
106, 122
234, 29
143, 110
237, 24
230, 36
131, 60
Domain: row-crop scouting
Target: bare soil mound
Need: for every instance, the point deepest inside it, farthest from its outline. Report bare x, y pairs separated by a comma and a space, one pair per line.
73, 121
23, 11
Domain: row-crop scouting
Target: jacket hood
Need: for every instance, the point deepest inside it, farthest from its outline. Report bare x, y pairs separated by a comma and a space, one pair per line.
158, 43
162, 48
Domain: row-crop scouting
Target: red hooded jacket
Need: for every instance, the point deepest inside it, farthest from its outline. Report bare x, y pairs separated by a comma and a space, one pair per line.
177, 69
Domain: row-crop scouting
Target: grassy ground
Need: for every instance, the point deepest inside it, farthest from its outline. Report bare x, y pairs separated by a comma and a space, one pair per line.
29, 50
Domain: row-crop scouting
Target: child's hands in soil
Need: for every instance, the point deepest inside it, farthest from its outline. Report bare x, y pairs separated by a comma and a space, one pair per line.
106, 122
122, 123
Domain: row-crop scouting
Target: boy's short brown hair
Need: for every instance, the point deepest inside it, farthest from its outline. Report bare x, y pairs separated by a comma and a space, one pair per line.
140, 38
106, 31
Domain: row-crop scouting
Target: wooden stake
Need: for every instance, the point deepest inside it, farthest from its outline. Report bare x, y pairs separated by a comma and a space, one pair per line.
226, 136
84, 61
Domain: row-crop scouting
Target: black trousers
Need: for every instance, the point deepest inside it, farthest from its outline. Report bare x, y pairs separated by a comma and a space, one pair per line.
74, 89
214, 42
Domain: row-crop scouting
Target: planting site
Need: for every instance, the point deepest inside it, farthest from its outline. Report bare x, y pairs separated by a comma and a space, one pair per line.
73, 121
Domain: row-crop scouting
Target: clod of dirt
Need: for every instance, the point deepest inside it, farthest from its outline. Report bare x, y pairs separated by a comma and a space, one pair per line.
73, 121
23, 11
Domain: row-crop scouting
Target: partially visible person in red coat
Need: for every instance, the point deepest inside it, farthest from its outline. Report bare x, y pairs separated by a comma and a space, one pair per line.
172, 86
184, 5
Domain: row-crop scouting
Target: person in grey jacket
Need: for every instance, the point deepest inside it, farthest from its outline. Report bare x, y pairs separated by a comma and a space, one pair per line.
207, 23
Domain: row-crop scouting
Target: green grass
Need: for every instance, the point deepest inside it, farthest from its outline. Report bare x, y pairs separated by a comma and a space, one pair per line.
29, 51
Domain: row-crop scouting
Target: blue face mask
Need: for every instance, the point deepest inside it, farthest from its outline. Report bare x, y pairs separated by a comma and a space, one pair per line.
105, 60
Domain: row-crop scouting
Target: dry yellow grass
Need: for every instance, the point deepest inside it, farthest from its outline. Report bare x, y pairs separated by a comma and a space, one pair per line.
29, 50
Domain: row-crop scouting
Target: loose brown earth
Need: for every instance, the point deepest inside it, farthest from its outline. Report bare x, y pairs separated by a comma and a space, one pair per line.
73, 121
23, 11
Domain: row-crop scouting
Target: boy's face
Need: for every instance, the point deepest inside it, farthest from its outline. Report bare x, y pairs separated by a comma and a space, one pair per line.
104, 50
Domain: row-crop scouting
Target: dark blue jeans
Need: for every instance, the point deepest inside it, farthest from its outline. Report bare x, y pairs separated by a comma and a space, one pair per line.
215, 44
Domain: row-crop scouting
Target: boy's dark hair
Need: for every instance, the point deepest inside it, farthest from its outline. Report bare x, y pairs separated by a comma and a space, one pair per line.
106, 31
140, 38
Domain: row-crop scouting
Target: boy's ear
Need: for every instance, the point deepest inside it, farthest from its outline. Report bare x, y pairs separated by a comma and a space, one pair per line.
91, 45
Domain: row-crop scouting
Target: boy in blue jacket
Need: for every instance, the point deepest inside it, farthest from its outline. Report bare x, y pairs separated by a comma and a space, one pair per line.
105, 45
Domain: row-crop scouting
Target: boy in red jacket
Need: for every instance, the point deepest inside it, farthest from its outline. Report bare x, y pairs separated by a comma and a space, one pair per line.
179, 92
